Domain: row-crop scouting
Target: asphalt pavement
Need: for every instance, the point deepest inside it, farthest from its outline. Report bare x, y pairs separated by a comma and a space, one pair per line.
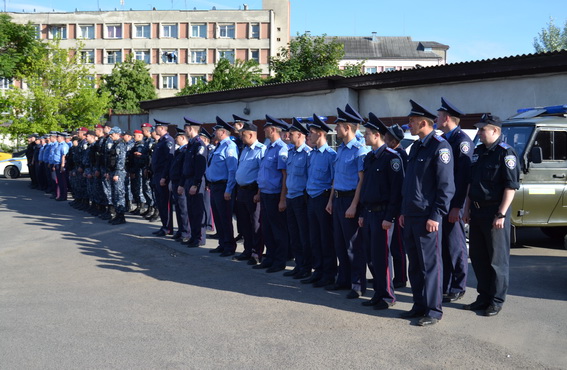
78, 293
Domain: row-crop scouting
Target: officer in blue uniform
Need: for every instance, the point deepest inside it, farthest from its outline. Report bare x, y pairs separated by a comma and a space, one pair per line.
193, 184
344, 206
248, 211
116, 174
50, 170
428, 189
455, 257
221, 171
381, 199
320, 174
272, 185
494, 181
296, 201
174, 175
59, 152
161, 158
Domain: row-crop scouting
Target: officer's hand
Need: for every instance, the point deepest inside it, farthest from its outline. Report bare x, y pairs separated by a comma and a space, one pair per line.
431, 226
115, 178
193, 190
282, 205
137, 154
227, 196
401, 221
454, 215
498, 223
361, 222
162, 182
466, 215
180, 190
386, 225
257, 198
350, 212
329, 208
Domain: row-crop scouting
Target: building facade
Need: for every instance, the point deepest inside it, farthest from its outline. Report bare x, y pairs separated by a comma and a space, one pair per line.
180, 47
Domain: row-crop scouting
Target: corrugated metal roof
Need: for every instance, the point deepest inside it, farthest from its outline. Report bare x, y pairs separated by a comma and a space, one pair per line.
382, 47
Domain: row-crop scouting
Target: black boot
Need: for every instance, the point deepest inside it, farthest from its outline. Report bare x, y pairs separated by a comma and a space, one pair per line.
112, 214
155, 216
103, 212
150, 213
136, 210
119, 219
145, 210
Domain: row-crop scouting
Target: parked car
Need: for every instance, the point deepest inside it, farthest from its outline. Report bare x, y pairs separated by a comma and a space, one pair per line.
13, 168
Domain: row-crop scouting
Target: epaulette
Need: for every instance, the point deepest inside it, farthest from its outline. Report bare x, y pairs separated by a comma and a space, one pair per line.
260, 145
392, 151
438, 138
504, 145
357, 144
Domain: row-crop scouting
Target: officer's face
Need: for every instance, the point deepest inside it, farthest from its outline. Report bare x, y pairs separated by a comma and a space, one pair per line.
487, 134
370, 137
415, 124
138, 137
127, 137
146, 131
442, 120
247, 137
180, 140
98, 132
341, 129
296, 137
115, 136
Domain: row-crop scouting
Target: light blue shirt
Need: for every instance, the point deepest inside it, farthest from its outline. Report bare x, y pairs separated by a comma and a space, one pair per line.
270, 175
349, 162
321, 170
223, 163
60, 150
50, 152
249, 163
40, 156
296, 164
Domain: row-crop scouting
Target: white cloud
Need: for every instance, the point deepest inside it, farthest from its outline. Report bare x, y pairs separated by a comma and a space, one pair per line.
29, 8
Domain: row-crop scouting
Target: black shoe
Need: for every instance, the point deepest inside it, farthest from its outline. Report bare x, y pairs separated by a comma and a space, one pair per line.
226, 254
323, 283
383, 305
242, 257
252, 261
353, 294
452, 297
263, 265
371, 302
492, 310
154, 217
311, 280
216, 250
302, 275
335, 286
160, 233
119, 220
238, 238
427, 320
291, 272
213, 236
399, 285
412, 313
194, 245
177, 236
275, 269
476, 306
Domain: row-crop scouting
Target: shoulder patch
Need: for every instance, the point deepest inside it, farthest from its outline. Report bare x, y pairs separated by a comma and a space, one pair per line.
465, 147
391, 151
169, 144
231, 152
504, 145
396, 164
445, 155
438, 138
201, 150
510, 161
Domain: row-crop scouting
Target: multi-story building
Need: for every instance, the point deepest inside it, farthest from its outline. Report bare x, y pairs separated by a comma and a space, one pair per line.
179, 46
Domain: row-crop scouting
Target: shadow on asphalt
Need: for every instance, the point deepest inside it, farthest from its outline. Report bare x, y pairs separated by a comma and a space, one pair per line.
129, 248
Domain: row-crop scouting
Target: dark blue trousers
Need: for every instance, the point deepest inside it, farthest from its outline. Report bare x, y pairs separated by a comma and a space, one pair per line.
163, 205
196, 214
274, 229
298, 229
248, 213
398, 251
181, 214
222, 213
490, 255
455, 258
61, 181
321, 238
348, 245
425, 266
376, 243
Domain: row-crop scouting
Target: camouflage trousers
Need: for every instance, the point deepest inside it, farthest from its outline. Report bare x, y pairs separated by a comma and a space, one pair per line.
118, 190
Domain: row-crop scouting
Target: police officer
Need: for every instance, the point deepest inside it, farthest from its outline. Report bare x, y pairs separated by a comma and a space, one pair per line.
79, 186
320, 173
138, 161
207, 139
455, 258
97, 168
248, 211
272, 188
29, 156
147, 187
428, 188
344, 206
49, 168
89, 159
174, 175
221, 171
128, 139
106, 194
116, 175
193, 183
381, 198
59, 152
162, 156
494, 181
296, 211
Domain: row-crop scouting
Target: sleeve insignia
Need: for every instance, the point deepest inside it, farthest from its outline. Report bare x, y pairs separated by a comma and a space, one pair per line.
396, 164
465, 147
510, 161
201, 150
445, 155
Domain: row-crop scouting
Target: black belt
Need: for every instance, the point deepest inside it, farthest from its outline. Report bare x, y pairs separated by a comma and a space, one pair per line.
342, 194
377, 207
484, 204
219, 182
252, 186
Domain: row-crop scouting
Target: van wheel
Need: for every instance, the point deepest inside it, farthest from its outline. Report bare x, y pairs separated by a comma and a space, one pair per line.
555, 232
11, 172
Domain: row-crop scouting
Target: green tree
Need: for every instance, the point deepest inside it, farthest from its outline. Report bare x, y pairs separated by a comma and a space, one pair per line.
228, 76
18, 47
129, 84
59, 95
310, 57
551, 38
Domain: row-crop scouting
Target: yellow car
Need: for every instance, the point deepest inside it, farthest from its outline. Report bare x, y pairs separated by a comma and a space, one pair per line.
5, 156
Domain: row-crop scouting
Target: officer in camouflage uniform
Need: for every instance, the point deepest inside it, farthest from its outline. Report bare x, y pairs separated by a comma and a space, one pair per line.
116, 175
107, 143
147, 189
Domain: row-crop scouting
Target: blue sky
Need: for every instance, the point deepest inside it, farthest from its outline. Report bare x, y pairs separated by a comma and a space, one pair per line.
474, 30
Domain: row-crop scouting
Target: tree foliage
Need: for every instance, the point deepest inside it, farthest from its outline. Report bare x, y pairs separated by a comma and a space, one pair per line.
129, 83
59, 95
310, 57
228, 76
551, 38
18, 47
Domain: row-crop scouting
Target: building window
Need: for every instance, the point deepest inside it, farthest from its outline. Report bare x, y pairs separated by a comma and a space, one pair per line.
389, 69
227, 54
114, 31
142, 31
199, 30
113, 56
37, 28
196, 78
86, 31
226, 31
87, 56
143, 55
58, 32
370, 69
254, 31
198, 56
169, 57
169, 82
255, 55
169, 30
90, 81
5, 83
